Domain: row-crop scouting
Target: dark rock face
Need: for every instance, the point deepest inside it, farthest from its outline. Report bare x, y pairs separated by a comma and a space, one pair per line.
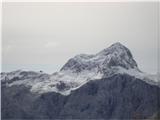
117, 97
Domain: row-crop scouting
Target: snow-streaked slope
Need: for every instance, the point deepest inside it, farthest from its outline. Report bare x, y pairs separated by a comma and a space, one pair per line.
149, 78
116, 59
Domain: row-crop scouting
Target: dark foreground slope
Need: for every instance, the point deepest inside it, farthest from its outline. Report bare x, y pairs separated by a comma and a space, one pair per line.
120, 96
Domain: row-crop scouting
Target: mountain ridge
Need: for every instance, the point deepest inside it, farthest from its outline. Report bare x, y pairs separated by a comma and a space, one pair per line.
117, 97
116, 59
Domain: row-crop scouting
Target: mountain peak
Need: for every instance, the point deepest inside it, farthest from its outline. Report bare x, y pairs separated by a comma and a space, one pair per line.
115, 55
117, 44
116, 47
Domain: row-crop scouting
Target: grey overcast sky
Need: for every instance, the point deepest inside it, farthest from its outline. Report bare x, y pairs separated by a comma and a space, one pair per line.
43, 36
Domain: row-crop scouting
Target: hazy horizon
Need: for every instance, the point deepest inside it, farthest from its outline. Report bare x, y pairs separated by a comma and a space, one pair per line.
43, 36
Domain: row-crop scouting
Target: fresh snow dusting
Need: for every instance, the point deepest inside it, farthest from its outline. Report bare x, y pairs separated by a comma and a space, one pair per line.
116, 59
151, 79
70, 80
41, 84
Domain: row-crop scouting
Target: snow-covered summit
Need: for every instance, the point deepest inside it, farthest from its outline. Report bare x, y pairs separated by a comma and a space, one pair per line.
116, 59
119, 55
115, 55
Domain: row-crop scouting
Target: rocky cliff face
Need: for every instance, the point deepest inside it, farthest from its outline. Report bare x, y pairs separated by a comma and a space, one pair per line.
116, 97
105, 85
